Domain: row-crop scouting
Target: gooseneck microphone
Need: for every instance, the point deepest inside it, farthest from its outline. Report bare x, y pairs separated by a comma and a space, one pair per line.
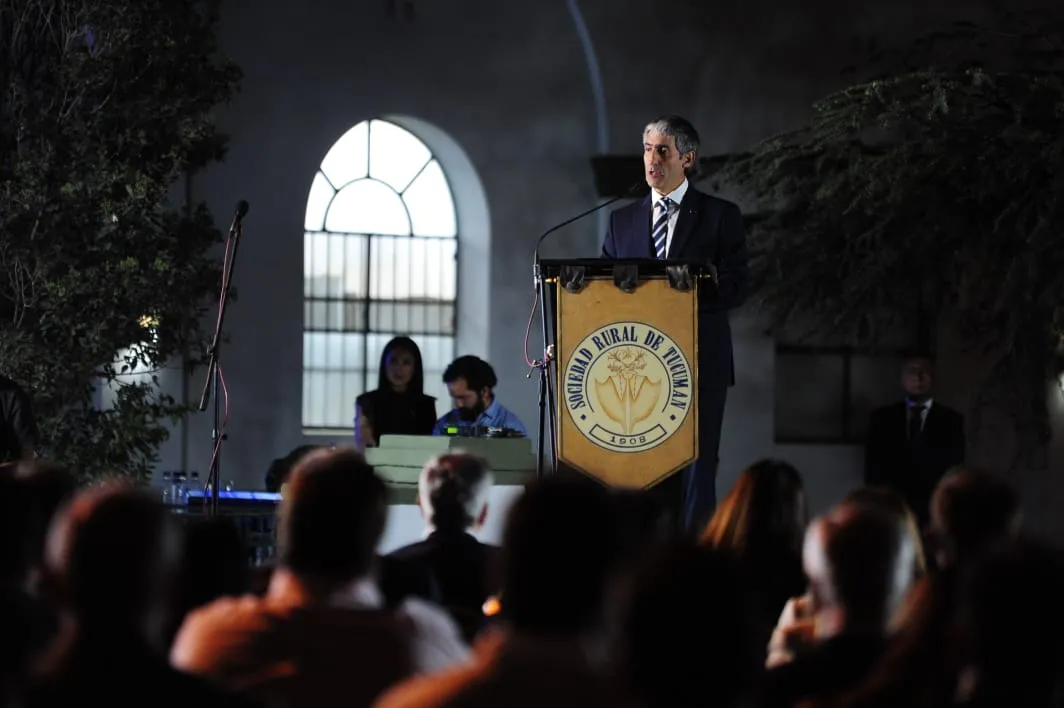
546, 386
627, 194
238, 216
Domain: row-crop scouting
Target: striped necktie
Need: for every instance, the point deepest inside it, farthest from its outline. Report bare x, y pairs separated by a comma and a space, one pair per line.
660, 231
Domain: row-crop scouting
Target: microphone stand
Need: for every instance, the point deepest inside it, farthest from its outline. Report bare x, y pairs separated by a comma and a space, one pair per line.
546, 393
210, 386
547, 413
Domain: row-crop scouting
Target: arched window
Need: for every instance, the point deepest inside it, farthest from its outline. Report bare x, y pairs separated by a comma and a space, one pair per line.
379, 260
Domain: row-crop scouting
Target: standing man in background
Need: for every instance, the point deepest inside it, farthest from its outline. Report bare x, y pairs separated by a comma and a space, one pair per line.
18, 427
676, 221
913, 442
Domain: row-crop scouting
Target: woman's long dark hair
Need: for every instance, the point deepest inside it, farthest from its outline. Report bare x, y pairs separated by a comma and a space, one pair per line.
417, 381
761, 522
764, 512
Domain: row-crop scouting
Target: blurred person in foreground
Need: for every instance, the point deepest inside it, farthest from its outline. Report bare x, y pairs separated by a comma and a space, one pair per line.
859, 561
561, 549
761, 523
113, 558
795, 622
322, 635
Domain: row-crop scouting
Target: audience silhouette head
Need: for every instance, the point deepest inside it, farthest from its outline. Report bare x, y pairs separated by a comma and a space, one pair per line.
560, 547
453, 491
860, 563
114, 556
971, 509
332, 517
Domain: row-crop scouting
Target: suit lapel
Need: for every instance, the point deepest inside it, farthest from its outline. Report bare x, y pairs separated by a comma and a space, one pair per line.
930, 423
641, 228
690, 213
899, 422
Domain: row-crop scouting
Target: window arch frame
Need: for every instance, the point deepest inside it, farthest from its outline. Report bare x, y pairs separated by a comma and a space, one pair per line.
326, 411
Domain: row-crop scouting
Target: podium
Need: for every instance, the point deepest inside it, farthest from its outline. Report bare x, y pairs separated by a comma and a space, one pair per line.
621, 399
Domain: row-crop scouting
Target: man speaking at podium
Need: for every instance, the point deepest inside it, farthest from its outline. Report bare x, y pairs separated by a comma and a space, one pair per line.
678, 222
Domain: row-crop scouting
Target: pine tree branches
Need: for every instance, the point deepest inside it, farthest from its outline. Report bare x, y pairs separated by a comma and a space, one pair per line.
951, 180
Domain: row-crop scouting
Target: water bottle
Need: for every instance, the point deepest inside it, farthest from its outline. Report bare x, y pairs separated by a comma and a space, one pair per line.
168, 489
195, 485
180, 492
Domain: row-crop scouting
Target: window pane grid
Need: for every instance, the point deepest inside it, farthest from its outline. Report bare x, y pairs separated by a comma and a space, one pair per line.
380, 260
396, 316
426, 237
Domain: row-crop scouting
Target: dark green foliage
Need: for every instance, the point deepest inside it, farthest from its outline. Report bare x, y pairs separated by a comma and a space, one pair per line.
106, 106
938, 190
932, 184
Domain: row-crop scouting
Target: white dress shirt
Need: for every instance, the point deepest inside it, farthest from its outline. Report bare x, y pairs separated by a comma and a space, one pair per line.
676, 196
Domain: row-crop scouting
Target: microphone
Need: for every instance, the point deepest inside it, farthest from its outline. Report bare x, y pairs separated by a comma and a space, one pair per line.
627, 194
238, 216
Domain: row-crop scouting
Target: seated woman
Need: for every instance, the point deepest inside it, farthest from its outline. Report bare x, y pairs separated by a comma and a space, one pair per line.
398, 406
762, 524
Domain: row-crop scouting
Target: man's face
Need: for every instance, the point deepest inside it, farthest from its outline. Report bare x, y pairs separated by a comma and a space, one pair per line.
470, 403
663, 163
916, 378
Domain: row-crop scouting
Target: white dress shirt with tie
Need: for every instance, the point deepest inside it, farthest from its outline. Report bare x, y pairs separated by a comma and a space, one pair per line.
925, 407
676, 196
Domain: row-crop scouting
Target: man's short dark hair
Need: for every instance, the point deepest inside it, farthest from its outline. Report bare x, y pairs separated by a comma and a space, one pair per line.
701, 590
280, 468
112, 552
972, 509
561, 545
680, 129
477, 373
333, 515
918, 355
865, 547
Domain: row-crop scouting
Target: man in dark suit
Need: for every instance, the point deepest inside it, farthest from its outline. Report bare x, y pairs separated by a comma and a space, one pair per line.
676, 221
911, 444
